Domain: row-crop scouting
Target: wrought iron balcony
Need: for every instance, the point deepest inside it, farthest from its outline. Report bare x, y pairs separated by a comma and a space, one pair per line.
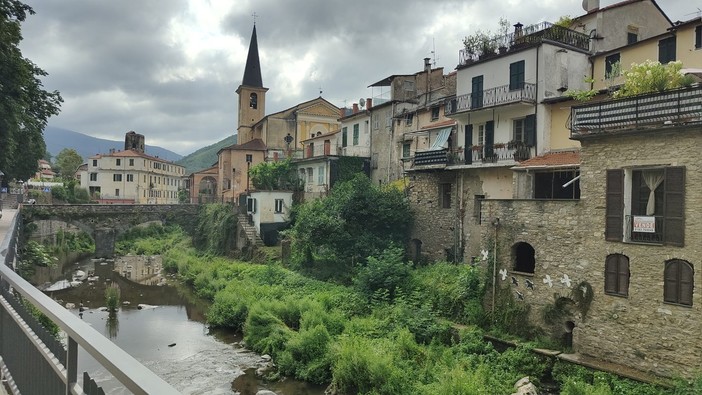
654, 110
654, 235
529, 35
492, 97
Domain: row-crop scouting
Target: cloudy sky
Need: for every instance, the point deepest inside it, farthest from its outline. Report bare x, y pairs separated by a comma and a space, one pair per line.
169, 69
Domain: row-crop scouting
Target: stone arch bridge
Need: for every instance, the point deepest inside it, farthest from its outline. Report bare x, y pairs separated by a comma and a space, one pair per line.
105, 222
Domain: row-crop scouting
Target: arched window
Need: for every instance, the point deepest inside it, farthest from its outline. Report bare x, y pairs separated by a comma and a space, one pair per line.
678, 282
617, 275
253, 100
523, 257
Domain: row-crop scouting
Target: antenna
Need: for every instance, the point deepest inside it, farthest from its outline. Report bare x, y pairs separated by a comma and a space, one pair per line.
433, 52
254, 15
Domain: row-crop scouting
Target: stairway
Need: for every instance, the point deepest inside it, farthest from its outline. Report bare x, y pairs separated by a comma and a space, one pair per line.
250, 230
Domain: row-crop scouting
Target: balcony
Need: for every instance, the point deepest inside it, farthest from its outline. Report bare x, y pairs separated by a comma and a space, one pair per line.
497, 96
499, 153
529, 35
649, 111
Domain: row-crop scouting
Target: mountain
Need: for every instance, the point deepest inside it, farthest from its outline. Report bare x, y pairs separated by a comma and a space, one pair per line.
57, 139
205, 157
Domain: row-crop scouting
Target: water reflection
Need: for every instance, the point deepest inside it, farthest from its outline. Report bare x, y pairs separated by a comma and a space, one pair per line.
112, 325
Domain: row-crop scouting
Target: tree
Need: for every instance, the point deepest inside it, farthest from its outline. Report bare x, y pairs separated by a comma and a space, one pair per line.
357, 220
24, 105
652, 76
67, 162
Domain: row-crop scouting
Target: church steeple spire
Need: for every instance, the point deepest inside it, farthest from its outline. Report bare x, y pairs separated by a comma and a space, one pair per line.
252, 72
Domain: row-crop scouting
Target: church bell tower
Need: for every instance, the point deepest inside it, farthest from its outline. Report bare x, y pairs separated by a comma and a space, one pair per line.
252, 94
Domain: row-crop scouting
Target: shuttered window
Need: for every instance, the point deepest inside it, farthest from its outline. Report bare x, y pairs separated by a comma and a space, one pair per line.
617, 275
530, 130
666, 50
614, 221
674, 221
678, 282
489, 139
516, 75
698, 37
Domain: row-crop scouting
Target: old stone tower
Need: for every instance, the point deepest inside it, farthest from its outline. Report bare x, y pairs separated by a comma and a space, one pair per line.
134, 141
252, 94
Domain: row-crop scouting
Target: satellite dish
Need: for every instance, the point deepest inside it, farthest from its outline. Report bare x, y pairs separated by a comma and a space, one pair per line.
361, 102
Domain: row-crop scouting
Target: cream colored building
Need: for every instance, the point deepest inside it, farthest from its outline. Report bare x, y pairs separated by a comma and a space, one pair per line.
131, 176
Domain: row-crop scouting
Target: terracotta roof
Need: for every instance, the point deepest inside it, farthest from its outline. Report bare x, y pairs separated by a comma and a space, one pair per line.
253, 145
551, 159
449, 122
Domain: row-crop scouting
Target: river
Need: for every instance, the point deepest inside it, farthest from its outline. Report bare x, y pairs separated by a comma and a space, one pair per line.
161, 324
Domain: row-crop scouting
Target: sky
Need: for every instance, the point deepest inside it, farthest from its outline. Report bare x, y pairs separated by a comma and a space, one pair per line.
169, 69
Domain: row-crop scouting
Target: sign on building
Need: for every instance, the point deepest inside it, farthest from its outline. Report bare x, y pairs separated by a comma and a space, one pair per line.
644, 224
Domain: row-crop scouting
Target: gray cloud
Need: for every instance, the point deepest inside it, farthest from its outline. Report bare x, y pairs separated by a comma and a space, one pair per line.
125, 66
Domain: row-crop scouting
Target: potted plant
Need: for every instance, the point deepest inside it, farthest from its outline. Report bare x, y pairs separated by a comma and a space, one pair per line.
499, 145
476, 148
515, 144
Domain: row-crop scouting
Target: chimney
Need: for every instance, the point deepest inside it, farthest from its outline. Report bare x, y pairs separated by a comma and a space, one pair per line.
342, 112
369, 103
518, 32
591, 5
427, 64
355, 108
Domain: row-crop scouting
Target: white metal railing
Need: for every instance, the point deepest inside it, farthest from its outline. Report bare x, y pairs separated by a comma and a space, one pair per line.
62, 368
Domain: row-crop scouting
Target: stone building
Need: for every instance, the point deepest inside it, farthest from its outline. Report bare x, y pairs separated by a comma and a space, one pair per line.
628, 242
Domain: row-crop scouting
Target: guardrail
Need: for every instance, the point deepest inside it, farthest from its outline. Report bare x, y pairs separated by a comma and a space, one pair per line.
34, 362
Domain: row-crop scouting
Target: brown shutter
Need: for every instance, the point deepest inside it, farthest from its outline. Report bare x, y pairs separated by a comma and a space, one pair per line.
623, 275
674, 221
670, 286
614, 220
686, 274
611, 274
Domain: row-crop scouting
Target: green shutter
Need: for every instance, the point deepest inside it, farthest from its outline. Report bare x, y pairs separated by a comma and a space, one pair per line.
344, 137
530, 130
489, 139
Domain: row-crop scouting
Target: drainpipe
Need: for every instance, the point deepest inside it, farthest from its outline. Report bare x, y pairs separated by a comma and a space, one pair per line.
536, 103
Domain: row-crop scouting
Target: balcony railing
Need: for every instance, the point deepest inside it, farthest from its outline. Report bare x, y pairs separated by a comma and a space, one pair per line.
529, 35
492, 97
35, 362
474, 155
652, 236
655, 110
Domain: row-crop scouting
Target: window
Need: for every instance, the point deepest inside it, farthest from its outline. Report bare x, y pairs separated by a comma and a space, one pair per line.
320, 176
481, 135
523, 255
130, 177
93, 176
118, 162
344, 137
278, 206
355, 134
116, 177
666, 50
131, 162
94, 162
518, 130
253, 100
612, 65
477, 204
698, 37
408, 85
617, 275
550, 184
406, 150
116, 192
631, 38
310, 175
409, 118
388, 121
678, 282
376, 122
434, 113
445, 195
249, 158
516, 75
646, 205
476, 93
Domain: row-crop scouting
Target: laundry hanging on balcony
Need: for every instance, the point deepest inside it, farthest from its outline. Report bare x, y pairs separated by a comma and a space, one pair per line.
441, 139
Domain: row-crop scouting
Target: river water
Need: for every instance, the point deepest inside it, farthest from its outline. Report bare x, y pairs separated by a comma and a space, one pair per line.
162, 325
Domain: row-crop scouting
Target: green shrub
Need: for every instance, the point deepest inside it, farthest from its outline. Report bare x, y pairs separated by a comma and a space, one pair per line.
112, 295
306, 355
386, 273
454, 291
264, 332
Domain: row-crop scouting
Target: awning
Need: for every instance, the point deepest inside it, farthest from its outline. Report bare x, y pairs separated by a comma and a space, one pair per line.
441, 139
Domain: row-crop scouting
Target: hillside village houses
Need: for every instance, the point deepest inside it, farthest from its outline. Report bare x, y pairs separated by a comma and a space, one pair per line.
131, 176
593, 202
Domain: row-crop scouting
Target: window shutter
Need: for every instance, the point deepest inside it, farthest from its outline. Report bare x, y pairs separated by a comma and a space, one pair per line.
636, 194
469, 135
686, 275
623, 275
698, 37
670, 286
614, 217
611, 275
489, 139
674, 221
530, 130
344, 137
666, 50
